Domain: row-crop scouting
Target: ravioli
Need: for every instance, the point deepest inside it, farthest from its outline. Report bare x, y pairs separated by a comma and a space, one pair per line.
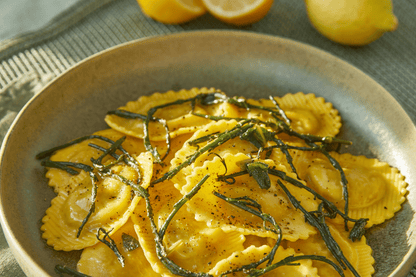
176, 144
253, 254
358, 253
241, 111
81, 152
179, 118
115, 203
189, 243
375, 189
232, 146
310, 114
100, 261
217, 213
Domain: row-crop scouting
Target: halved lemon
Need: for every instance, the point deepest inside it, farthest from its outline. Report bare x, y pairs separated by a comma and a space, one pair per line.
172, 11
238, 12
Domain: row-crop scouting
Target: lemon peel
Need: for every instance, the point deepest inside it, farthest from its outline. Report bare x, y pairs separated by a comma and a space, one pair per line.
172, 11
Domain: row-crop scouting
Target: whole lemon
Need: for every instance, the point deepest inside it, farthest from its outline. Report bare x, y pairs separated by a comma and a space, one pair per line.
352, 22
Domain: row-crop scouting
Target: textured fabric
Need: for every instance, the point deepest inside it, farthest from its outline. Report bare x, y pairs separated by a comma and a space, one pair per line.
92, 26
28, 62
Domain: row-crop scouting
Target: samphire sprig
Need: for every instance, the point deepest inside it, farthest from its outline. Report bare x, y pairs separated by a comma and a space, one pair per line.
129, 243
97, 170
94, 181
292, 261
314, 218
282, 121
66, 165
61, 270
202, 99
107, 240
250, 205
104, 170
318, 221
282, 124
49, 152
222, 138
258, 136
311, 140
260, 174
147, 119
159, 233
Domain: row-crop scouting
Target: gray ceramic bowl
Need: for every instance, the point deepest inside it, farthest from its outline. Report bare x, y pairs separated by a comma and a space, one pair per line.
239, 63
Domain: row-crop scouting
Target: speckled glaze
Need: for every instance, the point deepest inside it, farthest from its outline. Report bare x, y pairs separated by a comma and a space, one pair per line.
239, 63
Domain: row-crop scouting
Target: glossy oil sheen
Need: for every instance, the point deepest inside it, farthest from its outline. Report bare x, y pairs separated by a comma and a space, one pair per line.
239, 63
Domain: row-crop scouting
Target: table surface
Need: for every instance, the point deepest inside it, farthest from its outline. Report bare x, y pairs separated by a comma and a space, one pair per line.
22, 16
40, 39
